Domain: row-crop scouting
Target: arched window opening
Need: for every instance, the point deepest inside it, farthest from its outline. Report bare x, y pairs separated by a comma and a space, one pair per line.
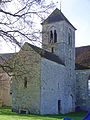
51, 36
55, 36
89, 86
25, 82
70, 37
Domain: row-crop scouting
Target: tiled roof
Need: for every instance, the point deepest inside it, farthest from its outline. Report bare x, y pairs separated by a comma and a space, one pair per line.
80, 67
56, 16
46, 54
5, 56
83, 57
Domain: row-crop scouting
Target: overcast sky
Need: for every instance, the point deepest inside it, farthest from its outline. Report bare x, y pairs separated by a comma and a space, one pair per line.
78, 13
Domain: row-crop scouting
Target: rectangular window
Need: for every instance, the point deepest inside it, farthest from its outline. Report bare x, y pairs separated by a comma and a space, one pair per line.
51, 37
89, 87
58, 86
55, 36
69, 37
59, 106
52, 49
25, 82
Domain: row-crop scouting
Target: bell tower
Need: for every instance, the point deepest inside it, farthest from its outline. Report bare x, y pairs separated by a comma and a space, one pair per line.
58, 37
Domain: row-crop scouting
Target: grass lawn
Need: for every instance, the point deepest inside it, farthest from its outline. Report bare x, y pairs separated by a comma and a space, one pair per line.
6, 114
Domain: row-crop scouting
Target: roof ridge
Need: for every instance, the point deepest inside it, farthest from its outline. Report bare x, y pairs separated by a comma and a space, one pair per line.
83, 46
56, 16
46, 54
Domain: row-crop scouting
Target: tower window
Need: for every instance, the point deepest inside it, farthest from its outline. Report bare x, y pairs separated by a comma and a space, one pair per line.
25, 82
69, 37
55, 36
51, 36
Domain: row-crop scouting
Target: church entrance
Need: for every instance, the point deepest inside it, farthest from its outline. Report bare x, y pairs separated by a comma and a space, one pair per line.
59, 106
70, 99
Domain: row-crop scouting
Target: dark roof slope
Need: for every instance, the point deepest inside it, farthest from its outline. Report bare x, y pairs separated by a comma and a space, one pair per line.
56, 16
46, 54
5, 56
80, 67
83, 57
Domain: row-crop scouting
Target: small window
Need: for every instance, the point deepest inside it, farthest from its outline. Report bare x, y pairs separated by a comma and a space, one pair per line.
25, 82
89, 86
51, 36
69, 37
58, 86
59, 106
11, 86
52, 49
55, 36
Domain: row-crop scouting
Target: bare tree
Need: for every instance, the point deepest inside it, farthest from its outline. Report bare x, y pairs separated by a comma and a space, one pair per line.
19, 22
18, 19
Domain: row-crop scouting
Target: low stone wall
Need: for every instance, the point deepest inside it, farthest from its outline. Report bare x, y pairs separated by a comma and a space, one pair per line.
82, 96
5, 96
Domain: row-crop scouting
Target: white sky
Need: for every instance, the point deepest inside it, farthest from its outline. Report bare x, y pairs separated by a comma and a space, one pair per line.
78, 13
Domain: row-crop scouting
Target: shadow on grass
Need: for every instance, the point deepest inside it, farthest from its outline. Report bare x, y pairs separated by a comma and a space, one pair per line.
8, 112
73, 116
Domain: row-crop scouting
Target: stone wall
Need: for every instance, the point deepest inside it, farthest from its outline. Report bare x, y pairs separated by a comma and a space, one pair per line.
82, 96
26, 95
54, 88
64, 48
5, 96
58, 26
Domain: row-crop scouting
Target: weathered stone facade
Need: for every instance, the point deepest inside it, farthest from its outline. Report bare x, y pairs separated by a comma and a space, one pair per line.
50, 84
54, 88
5, 96
5, 80
27, 68
45, 80
82, 93
64, 47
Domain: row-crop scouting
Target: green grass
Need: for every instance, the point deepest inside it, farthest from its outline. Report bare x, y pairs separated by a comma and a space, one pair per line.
6, 114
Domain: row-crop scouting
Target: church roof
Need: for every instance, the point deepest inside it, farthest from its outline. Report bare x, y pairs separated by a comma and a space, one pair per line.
83, 57
46, 54
5, 56
80, 67
56, 16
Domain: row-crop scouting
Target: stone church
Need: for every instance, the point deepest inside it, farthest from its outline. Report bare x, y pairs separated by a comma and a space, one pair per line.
48, 80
